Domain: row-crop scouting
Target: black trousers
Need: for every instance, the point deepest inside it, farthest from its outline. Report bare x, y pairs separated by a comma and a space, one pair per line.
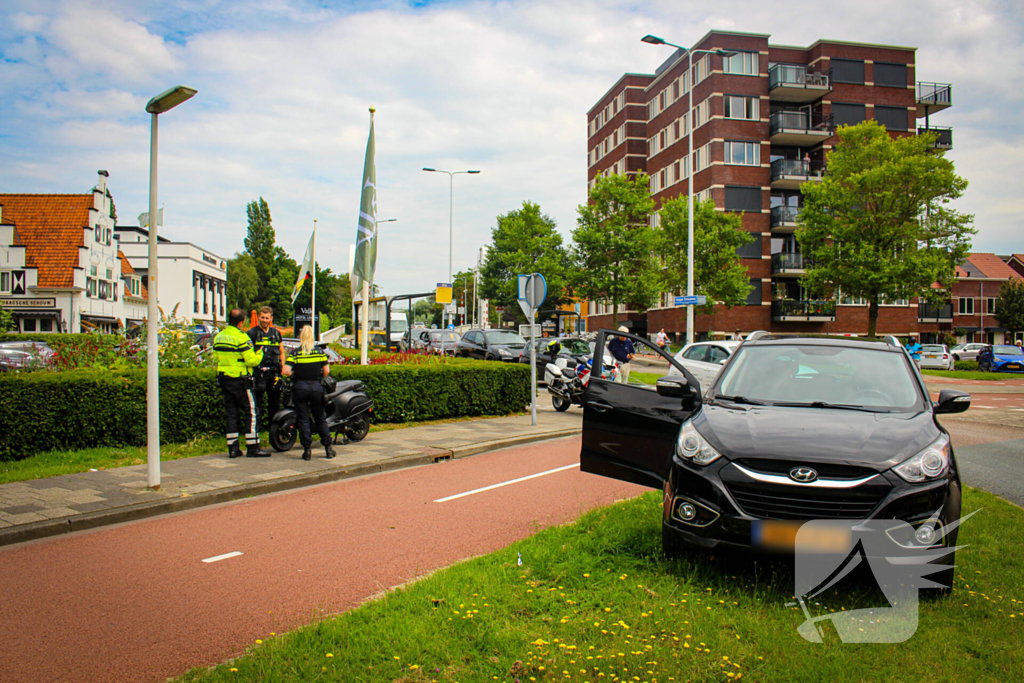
239, 409
272, 383
308, 399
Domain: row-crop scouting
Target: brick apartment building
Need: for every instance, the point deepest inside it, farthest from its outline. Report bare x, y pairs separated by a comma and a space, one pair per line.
764, 119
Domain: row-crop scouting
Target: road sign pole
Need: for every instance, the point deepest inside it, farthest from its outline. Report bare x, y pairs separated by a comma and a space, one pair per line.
533, 369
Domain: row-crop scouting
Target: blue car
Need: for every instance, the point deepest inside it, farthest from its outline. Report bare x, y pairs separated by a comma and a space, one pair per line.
1001, 358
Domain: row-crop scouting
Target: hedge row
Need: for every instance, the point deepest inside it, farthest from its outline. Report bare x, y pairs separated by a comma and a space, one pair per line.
85, 408
965, 365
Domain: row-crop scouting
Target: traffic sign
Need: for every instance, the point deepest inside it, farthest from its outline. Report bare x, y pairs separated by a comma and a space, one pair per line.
444, 293
699, 300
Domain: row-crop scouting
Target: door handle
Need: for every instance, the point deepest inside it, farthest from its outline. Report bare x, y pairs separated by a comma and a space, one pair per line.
600, 406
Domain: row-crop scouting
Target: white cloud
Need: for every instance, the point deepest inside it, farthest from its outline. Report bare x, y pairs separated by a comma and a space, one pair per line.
284, 89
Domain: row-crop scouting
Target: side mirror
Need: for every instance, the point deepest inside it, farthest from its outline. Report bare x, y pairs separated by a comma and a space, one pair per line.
672, 387
953, 401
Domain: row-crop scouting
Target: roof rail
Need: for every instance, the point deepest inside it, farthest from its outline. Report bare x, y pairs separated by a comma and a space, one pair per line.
891, 340
756, 335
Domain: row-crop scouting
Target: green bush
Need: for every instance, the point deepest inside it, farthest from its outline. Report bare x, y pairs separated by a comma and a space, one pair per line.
966, 365
43, 411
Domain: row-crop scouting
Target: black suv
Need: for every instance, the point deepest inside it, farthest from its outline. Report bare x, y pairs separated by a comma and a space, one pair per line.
503, 345
792, 429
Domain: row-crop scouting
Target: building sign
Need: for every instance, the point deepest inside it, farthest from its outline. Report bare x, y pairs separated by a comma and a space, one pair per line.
209, 259
28, 303
302, 317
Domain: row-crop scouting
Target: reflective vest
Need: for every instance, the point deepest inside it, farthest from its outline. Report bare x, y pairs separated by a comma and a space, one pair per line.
269, 343
235, 354
307, 366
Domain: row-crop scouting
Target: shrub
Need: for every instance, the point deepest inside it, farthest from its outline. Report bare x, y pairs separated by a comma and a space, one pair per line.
85, 408
966, 365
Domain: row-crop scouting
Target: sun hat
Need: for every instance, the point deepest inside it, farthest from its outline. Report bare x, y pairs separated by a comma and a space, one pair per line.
624, 329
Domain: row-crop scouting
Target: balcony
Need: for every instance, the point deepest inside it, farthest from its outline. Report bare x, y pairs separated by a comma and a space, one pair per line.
927, 313
796, 83
796, 129
788, 264
790, 174
818, 311
784, 218
945, 139
933, 97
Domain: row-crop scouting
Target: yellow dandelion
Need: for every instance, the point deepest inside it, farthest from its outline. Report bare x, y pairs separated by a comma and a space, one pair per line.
259, 642
586, 576
233, 670
330, 656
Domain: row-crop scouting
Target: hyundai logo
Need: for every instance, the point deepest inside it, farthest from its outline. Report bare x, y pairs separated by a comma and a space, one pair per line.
803, 474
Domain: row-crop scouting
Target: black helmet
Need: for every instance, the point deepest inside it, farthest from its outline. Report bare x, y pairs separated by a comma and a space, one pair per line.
329, 384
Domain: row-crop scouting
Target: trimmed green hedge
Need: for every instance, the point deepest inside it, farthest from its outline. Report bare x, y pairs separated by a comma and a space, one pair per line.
970, 365
42, 411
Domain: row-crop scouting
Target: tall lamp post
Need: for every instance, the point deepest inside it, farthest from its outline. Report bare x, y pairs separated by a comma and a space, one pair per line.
655, 40
451, 184
163, 102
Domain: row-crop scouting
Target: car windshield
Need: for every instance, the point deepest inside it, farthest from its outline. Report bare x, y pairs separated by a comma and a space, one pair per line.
399, 326
932, 348
449, 336
811, 373
959, 347
575, 347
504, 337
1007, 350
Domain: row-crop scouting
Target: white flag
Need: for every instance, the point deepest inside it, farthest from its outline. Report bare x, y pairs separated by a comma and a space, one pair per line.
308, 264
144, 218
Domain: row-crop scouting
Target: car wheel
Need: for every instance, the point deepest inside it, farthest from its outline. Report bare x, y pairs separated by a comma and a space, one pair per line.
283, 434
560, 404
670, 543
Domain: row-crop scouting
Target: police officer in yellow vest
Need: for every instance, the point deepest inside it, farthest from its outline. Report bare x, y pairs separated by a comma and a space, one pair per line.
235, 360
267, 377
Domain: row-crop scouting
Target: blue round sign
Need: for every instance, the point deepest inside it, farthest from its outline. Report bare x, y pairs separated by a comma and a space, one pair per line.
451, 327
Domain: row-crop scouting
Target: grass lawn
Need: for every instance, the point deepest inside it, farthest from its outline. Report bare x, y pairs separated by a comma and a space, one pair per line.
596, 601
55, 463
972, 374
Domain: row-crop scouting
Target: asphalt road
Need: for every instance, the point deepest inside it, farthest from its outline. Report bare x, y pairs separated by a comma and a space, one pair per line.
137, 602
991, 457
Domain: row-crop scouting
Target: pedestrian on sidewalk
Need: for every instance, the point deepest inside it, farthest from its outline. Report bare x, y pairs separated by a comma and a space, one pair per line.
622, 351
267, 377
662, 339
235, 360
914, 349
307, 366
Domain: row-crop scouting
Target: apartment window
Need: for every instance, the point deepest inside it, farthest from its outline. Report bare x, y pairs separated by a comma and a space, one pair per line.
675, 90
92, 269
5, 282
751, 249
663, 99
662, 181
848, 71
675, 173
45, 325
852, 300
848, 114
742, 153
743, 198
701, 113
675, 130
990, 305
700, 70
965, 306
741, 63
28, 325
97, 233
754, 296
741, 107
893, 118
661, 139
890, 75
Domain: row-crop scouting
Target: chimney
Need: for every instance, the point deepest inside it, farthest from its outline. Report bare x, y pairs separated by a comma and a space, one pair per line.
101, 185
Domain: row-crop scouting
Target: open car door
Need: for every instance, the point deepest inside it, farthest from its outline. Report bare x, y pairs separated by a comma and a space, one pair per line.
629, 429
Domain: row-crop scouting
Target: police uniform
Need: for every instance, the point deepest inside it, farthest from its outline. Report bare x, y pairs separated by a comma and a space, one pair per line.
235, 360
308, 398
267, 377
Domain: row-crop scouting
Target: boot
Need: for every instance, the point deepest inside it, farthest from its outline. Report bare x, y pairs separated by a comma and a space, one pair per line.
234, 451
255, 451
328, 449
307, 452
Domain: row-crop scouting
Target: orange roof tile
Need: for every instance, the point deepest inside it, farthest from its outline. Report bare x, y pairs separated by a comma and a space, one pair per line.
992, 266
50, 227
126, 269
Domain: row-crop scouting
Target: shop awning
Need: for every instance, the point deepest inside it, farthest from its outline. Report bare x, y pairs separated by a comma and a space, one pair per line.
35, 313
99, 319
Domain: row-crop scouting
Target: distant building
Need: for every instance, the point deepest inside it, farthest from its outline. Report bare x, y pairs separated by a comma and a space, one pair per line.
973, 299
763, 121
193, 280
60, 268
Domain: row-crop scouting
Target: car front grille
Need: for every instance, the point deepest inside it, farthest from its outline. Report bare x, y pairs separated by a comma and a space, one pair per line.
826, 470
764, 501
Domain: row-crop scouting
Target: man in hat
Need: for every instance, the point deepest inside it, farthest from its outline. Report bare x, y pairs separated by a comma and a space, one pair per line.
622, 351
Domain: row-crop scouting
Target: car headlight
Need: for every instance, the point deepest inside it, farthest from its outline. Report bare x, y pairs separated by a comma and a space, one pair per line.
692, 446
504, 352
931, 463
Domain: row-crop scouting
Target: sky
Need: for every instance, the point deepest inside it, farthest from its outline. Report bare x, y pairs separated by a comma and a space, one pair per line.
284, 88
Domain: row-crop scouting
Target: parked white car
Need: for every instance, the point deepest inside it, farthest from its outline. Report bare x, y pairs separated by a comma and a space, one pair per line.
704, 360
966, 351
936, 356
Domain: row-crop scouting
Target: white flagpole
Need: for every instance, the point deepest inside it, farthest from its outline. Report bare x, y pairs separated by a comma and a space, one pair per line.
365, 323
313, 318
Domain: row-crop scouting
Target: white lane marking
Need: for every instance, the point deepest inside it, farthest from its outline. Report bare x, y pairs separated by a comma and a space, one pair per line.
218, 558
985, 407
506, 483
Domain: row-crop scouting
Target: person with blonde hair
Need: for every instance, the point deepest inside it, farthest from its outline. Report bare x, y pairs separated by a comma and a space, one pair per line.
307, 365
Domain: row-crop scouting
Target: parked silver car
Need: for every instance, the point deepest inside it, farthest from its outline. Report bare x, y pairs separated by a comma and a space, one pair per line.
24, 354
704, 360
966, 351
936, 356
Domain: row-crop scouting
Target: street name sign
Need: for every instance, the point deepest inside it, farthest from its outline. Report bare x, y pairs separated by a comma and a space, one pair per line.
699, 300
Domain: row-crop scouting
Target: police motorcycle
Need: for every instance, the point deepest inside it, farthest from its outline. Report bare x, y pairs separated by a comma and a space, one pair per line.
567, 385
347, 410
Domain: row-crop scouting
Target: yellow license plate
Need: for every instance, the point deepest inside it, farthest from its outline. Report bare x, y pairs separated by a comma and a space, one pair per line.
931, 356
782, 536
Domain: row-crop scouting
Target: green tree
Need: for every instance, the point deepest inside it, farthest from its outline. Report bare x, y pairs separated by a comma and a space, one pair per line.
242, 282
525, 241
6, 320
259, 244
879, 224
1010, 306
718, 273
614, 245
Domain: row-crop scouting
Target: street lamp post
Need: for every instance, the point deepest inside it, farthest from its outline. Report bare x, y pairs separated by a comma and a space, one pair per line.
451, 184
655, 40
163, 102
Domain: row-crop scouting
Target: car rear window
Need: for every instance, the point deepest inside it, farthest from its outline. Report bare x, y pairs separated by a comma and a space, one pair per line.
832, 374
931, 348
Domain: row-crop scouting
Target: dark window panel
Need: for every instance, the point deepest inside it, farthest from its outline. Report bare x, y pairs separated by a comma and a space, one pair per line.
848, 114
754, 297
848, 71
751, 249
891, 75
893, 118
743, 199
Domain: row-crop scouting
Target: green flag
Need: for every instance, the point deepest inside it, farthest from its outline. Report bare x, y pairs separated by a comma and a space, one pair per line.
366, 234
306, 269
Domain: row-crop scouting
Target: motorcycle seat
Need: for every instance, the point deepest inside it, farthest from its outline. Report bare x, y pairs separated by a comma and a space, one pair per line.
348, 385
